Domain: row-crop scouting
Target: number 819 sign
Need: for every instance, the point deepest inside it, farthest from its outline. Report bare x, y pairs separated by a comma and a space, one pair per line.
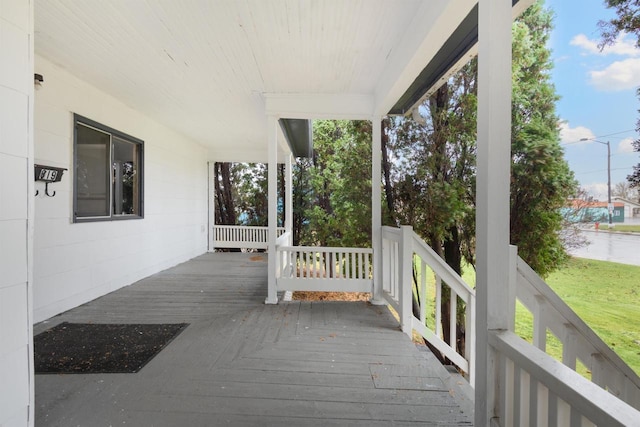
48, 173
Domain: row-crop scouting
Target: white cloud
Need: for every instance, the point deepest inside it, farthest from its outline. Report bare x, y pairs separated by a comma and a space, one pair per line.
624, 45
598, 190
626, 146
587, 45
569, 135
620, 75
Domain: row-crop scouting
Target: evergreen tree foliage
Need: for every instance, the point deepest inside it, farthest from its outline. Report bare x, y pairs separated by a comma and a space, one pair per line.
338, 211
242, 194
541, 180
434, 163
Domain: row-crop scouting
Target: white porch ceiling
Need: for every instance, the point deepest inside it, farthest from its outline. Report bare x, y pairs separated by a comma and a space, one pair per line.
204, 68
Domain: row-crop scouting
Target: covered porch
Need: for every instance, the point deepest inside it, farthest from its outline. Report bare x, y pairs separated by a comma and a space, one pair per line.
242, 362
210, 82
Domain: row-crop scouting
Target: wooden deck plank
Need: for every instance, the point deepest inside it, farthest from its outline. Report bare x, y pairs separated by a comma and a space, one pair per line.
241, 362
258, 377
275, 406
296, 392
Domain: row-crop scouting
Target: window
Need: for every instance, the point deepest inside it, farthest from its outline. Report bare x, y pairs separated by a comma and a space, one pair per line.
108, 173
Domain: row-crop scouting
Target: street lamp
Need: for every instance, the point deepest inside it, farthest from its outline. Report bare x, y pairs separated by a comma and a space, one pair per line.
610, 206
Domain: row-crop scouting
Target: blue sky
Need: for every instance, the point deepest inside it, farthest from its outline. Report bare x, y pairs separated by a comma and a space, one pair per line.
598, 94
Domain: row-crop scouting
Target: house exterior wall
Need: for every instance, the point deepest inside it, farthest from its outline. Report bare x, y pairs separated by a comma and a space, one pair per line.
78, 262
16, 160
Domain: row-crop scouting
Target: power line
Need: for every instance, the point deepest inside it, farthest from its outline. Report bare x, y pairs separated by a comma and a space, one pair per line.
615, 133
603, 170
600, 136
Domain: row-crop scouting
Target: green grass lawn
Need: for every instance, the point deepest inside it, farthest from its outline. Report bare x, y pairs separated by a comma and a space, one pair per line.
634, 228
606, 296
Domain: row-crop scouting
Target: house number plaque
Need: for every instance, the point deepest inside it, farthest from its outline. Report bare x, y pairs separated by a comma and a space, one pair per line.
48, 173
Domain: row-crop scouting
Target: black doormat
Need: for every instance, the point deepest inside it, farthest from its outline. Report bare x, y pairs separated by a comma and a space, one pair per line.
89, 348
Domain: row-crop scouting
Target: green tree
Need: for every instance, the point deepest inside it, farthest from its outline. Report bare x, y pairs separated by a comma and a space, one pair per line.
252, 193
338, 205
541, 180
626, 21
433, 163
226, 195
302, 198
434, 189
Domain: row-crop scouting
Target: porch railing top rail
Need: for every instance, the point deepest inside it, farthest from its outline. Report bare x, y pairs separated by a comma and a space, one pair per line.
263, 227
442, 269
584, 399
327, 249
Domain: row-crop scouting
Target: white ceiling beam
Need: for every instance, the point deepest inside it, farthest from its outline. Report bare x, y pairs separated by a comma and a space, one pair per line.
429, 29
319, 106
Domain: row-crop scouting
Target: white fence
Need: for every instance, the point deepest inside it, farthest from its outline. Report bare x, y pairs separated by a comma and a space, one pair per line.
312, 268
405, 259
240, 236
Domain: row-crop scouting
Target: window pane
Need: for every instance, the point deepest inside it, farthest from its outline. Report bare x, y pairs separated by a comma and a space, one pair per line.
92, 172
126, 177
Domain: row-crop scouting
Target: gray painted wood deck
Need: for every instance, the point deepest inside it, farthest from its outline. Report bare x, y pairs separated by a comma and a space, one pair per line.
241, 362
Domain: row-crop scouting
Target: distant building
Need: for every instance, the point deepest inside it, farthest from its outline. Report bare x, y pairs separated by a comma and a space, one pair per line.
631, 209
590, 211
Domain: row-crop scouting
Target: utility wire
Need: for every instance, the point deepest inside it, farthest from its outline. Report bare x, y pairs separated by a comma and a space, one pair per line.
603, 170
597, 137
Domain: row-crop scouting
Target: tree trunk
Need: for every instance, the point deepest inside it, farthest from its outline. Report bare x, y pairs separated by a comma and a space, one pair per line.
386, 171
226, 213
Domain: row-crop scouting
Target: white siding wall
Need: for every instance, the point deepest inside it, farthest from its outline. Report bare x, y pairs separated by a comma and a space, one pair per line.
75, 263
16, 159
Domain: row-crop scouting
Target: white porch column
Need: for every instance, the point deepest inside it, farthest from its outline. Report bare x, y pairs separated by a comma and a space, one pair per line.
212, 205
288, 183
272, 139
17, 213
492, 198
376, 209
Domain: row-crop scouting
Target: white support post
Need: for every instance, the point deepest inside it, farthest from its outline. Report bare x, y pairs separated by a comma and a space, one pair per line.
288, 183
492, 201
212, 206
513, 283
272, 138
376, 209
406, 279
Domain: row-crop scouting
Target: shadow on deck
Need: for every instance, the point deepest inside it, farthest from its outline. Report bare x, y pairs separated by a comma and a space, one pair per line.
241, 362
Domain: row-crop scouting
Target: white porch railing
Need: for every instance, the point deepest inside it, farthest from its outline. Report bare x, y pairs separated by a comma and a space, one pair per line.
532, 388
537, 387
241, 236
312, 268
403, 251
579, 342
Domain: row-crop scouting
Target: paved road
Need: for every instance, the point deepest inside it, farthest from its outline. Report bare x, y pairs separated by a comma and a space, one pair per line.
622, 248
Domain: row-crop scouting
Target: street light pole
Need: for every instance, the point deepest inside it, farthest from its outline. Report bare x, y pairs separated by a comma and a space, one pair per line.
609, 205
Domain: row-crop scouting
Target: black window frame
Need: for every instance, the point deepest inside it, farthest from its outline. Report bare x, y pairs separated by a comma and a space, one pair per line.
79, 120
